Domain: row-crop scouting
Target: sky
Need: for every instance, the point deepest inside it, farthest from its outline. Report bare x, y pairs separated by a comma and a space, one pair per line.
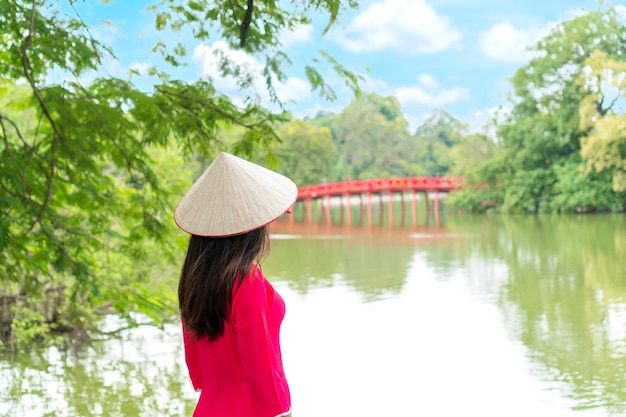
455, 55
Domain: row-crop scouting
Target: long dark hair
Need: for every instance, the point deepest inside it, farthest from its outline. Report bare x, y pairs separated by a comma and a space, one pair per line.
209, 272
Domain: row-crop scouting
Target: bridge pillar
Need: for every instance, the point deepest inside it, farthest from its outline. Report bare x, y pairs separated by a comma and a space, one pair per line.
427, 207
341, 209
402, 221
437, 208
381, 215
309, 209
369, 209
361, 209
390, 206
349, 210
329, 220
382, 209
413, 209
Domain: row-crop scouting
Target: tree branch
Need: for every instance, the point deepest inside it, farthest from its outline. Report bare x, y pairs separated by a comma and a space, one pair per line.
44, 108
127, 160
172, 95
5, 137
232, 7
44, 205
610, 106
11, 154
28, 71
9, 192
245, 24
31, 149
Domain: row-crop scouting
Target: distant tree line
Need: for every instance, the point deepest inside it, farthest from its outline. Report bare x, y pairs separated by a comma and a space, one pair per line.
370, 139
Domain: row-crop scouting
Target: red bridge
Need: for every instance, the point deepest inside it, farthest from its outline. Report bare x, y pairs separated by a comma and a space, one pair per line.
308, 193
378, 186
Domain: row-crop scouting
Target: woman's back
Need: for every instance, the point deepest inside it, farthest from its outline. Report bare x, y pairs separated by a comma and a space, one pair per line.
240, 374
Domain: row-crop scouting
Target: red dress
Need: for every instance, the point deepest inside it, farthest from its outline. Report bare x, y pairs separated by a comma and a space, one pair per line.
240, 374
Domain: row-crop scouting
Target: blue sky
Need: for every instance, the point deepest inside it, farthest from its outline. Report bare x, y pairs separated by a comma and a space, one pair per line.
451, 54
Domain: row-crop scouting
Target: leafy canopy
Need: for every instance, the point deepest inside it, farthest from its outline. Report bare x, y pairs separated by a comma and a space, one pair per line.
564, 137
91, 165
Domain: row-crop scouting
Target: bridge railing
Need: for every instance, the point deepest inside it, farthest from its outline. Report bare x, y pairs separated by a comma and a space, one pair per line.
380, 185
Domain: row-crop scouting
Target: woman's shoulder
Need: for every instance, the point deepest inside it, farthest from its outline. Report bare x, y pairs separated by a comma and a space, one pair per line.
253, 282
255, 277
251, 295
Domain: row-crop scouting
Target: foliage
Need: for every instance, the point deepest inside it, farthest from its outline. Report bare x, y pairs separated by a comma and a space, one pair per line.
92, 165
372, 140
604, 148
255, 28
435, 138
306, 153
471, 151
561, 121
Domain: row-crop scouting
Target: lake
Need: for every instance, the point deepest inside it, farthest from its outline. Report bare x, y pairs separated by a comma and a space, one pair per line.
480, 315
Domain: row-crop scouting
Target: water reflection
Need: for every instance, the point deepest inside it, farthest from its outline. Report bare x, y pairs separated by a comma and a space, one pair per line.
560, 283
495, 315
372, 261
565, 298
139, 374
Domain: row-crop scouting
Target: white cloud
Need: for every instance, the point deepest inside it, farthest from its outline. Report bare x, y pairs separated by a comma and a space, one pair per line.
427, 93
621, 12
407, 26
141, 67
293, 89
209, 58
428, 81
374, 85
504, 42
299, 35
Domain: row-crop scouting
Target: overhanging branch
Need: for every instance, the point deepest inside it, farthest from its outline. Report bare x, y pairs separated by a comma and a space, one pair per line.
57, 134
175, 97
245, 24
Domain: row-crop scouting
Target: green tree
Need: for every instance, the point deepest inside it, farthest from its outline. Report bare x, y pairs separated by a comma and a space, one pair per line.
471, 151
604, 147
540, 167
435, 138
372, 140
306, 154
90, 170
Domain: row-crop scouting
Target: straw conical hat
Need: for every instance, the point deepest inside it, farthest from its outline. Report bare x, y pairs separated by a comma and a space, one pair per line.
234, 196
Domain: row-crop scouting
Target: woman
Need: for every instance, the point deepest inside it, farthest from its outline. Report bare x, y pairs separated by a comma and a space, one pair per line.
231, 314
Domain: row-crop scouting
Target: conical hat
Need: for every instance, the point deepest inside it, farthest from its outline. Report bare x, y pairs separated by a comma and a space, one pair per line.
234, 196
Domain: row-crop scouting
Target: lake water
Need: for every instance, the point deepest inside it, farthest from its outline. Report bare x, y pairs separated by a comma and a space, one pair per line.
490, 316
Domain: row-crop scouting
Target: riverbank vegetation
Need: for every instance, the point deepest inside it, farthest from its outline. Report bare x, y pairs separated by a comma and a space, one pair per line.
562, 147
